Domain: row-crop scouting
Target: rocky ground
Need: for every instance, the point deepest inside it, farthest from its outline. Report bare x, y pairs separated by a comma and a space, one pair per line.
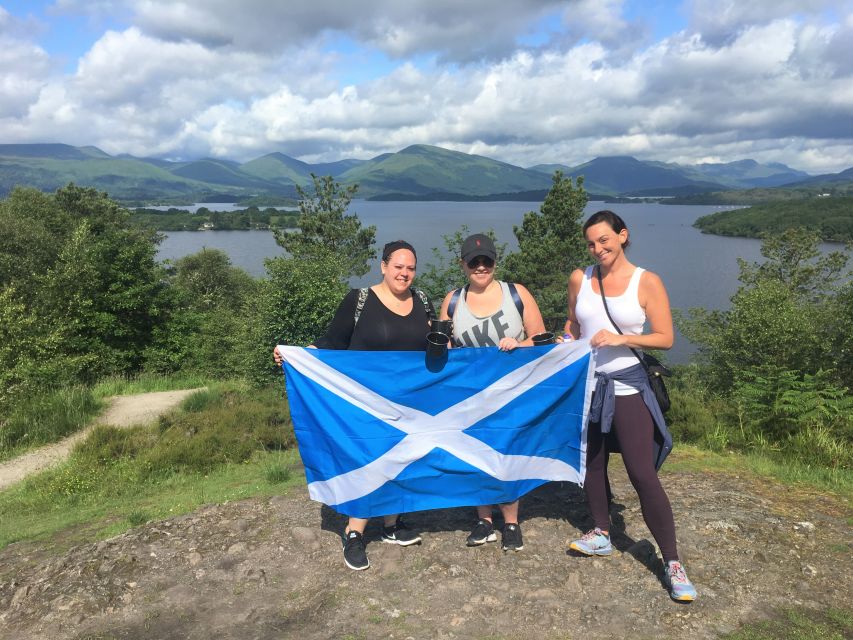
273, 568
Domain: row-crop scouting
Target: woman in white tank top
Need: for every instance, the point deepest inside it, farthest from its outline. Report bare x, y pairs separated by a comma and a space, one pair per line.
623, 404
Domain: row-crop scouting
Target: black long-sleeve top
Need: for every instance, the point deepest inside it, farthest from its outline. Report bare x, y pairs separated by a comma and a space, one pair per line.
378, 328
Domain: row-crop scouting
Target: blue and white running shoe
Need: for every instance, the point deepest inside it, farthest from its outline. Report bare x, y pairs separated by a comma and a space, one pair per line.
593, 543
680, 587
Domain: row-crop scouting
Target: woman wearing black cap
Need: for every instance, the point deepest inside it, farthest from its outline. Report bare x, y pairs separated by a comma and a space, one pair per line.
389, 316
491, 313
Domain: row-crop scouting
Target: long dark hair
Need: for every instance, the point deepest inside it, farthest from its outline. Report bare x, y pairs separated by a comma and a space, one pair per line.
613, 220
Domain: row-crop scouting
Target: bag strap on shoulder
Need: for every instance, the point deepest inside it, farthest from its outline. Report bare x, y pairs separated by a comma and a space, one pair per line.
362, 298
516, 298
430, 310
513, 292
454, 300
609, 317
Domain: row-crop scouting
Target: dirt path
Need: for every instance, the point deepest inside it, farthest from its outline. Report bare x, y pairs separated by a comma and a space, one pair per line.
267, 569
123, 411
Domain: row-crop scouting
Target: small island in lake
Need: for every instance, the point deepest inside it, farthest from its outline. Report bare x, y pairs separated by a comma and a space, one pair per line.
251, 218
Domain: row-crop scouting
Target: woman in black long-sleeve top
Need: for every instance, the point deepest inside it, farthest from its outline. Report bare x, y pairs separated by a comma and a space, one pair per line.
389, 316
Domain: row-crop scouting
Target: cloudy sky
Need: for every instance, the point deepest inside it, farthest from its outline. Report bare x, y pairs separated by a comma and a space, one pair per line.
524, 81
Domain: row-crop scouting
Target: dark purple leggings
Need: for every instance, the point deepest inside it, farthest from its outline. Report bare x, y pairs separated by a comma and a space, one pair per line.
633, 428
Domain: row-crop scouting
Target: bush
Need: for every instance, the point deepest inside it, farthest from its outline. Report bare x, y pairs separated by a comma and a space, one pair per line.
294, 306
693, 413
223, 428
46, 418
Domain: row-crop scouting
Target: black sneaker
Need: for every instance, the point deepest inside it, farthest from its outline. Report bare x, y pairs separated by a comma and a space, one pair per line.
354, 554
512, 538
482, 533
399, 533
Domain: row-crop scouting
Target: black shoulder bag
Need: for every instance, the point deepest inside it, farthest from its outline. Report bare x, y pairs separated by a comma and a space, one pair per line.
654, 369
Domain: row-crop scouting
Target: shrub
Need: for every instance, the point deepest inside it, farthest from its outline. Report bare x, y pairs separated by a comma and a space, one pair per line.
48, 417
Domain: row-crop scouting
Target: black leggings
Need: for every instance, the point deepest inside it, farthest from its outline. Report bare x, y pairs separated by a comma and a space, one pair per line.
633, 428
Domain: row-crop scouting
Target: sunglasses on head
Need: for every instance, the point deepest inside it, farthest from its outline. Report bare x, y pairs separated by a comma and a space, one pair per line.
481, 260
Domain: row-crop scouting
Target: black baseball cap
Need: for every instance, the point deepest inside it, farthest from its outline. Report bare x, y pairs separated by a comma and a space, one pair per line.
478, 245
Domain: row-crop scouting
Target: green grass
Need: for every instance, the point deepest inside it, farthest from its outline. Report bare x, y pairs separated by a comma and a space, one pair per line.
147, 382
230, 444
26, 513
47, 418
687, 457
799, 624
52, 416
818, 454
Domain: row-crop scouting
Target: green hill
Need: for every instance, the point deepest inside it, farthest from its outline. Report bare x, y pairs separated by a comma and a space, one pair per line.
121, 178
627, 176
421, 170
826, 181
279, 169
53, 151
417, 172
744, 174
50, 166
221, 173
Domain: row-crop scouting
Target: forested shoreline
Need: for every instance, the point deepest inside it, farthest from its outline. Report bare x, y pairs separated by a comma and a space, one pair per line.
176, 219
831, 218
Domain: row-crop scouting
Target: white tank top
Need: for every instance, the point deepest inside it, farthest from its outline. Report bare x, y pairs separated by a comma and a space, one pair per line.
626, 312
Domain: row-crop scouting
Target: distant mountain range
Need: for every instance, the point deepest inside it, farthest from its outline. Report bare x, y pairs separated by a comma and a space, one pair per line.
416, 172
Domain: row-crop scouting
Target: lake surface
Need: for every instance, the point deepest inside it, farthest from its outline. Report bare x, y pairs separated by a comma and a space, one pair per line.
699, 270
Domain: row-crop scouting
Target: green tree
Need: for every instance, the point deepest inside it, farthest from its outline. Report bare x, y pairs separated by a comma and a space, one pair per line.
840, 327
551, 245
294, 305
208, 280
73, 262
785, 315
206, 331
324, 226
792, 257
776, 364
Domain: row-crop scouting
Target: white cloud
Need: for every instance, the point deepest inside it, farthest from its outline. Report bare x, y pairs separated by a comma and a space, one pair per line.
720, 20
241, 79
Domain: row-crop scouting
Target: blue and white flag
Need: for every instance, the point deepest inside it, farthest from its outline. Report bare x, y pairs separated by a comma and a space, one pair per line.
384, 432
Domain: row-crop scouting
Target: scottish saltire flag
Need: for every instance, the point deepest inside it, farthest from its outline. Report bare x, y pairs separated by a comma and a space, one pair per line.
383, 432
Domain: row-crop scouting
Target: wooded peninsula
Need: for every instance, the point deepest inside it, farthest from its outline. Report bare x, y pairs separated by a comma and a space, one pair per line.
831, 218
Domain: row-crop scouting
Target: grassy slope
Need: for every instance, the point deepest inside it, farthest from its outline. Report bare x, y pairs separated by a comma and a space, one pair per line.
53, 416
225, 443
